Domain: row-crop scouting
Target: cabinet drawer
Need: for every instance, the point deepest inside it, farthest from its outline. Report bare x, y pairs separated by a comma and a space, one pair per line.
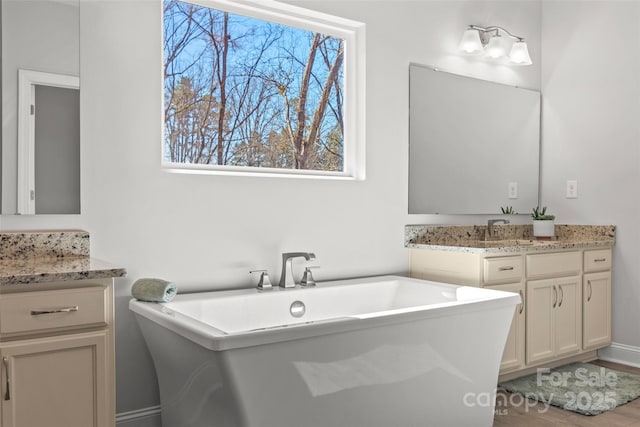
597, 260
29, 312
502, 269
557, 263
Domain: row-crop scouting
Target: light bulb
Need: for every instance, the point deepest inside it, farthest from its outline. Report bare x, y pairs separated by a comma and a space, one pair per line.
520, 54
470, 42
495, 48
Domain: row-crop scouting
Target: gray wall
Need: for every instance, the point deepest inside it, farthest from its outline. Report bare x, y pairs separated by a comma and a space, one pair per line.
591, 133
1, 106
206, 232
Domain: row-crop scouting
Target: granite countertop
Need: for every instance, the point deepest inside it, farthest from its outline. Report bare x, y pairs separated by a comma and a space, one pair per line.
509, 246
37, 270
46, 256
507, 239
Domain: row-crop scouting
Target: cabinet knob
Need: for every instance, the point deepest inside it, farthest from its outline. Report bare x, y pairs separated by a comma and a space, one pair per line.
590, 290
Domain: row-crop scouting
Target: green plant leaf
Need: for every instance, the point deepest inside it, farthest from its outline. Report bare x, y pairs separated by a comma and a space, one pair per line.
540, 214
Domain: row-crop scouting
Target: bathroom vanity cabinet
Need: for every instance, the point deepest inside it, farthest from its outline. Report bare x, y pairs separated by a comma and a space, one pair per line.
566, 293
57, 354
513, 356
56, 331
596, 299
554, 321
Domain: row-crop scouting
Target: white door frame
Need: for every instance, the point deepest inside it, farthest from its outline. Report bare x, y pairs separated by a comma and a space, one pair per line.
27, 81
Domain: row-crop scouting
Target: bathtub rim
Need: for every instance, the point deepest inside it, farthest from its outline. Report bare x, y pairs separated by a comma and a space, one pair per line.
217, 340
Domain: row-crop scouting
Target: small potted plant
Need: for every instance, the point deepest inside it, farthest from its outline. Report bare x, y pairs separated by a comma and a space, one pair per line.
508, 210
543, 223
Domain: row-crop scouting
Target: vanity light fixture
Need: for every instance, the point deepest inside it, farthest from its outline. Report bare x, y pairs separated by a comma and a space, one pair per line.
490, 41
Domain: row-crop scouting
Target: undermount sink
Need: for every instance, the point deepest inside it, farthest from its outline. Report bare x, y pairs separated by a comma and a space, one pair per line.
510, 242
502, 243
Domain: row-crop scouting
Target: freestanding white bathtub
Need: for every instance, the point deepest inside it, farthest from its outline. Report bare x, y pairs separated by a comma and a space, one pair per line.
384, 351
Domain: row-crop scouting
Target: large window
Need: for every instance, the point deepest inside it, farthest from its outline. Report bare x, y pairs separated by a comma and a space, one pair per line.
258, 86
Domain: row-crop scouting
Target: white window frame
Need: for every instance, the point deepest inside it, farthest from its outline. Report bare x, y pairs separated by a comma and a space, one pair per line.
353, 33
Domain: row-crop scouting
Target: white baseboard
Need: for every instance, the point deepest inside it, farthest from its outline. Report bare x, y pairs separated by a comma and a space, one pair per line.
144, 416
621, 353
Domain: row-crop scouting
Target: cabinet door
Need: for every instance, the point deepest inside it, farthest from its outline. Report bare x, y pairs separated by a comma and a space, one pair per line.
597, 310
513, 355
55, 382
568, 316
541, 301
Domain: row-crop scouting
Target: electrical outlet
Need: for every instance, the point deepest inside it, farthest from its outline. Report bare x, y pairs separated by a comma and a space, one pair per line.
513, 190
572, 189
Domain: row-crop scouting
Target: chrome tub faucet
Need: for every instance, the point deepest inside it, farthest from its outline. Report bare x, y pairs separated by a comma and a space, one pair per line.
286, 278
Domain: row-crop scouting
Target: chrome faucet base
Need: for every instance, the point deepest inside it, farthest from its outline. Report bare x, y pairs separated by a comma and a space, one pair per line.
286, 278
490, 225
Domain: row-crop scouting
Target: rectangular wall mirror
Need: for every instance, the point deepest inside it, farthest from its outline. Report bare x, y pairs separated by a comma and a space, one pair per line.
474, 145
40, 156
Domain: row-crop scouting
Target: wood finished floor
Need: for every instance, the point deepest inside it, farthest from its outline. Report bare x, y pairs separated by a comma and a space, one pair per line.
521, 416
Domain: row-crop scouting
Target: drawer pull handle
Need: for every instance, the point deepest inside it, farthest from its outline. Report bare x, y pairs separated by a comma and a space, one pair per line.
508, 268
561, 296
555, 297
600, 260
54, 310
7, 394
522, 303
590, 290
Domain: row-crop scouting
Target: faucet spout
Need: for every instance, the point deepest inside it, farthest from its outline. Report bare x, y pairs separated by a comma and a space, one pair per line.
286, 278
491, 223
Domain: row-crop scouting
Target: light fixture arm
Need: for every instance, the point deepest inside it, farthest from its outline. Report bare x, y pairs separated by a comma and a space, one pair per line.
496, 29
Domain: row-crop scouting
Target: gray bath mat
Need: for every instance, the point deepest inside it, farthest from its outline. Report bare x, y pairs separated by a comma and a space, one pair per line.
579, 387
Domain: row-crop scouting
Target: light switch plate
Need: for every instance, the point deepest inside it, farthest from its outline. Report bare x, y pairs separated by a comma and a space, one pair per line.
572, 189
513, 190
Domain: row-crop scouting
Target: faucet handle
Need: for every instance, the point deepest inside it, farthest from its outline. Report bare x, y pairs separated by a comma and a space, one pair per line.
264, 282
307, 278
